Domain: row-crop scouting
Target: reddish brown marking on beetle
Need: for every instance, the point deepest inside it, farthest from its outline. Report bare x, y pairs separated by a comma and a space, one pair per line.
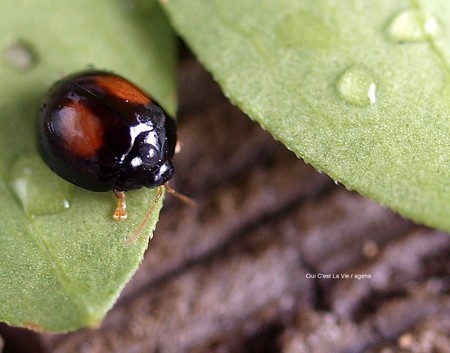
123, 89
81, 131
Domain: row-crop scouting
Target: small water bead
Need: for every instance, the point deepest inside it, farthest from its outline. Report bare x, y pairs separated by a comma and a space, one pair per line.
20, 55
38, 190
412, 26
302, 30
356, 86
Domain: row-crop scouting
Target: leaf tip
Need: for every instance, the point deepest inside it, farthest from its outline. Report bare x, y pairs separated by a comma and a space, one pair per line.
34, 327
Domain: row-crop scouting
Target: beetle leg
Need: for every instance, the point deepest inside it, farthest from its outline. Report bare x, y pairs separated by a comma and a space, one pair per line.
120, 213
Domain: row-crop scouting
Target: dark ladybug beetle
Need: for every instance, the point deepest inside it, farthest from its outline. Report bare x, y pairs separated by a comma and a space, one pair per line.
101, 132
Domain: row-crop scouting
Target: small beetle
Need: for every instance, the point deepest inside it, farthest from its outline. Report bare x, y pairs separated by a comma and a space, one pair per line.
101, 132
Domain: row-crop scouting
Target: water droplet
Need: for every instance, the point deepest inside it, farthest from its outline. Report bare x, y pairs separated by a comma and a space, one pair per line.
20, 55
412, 26
303, 30
356, 86
37, 188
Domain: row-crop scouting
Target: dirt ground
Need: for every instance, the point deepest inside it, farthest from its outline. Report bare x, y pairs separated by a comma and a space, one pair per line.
276, 258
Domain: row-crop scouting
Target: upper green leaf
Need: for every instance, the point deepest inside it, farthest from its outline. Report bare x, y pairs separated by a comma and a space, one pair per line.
63, 260
359, 89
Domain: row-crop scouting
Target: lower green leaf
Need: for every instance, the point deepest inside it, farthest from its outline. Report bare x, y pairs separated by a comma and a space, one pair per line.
63, 260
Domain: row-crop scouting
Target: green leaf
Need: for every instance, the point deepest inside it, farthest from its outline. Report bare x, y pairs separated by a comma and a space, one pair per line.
63, 260
359, 89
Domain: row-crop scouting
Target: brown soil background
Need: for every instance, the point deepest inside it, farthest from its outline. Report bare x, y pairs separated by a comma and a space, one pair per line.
232, 275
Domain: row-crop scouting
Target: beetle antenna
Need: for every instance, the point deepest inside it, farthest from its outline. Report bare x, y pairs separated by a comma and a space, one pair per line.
147, 216
187, 200
183, 198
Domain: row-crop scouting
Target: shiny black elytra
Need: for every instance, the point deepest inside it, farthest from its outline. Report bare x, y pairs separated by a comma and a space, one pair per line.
101, 132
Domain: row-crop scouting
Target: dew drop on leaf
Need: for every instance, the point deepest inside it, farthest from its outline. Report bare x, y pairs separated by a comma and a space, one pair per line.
411, 26
302, 30
38, 190
356, 86
20, 55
